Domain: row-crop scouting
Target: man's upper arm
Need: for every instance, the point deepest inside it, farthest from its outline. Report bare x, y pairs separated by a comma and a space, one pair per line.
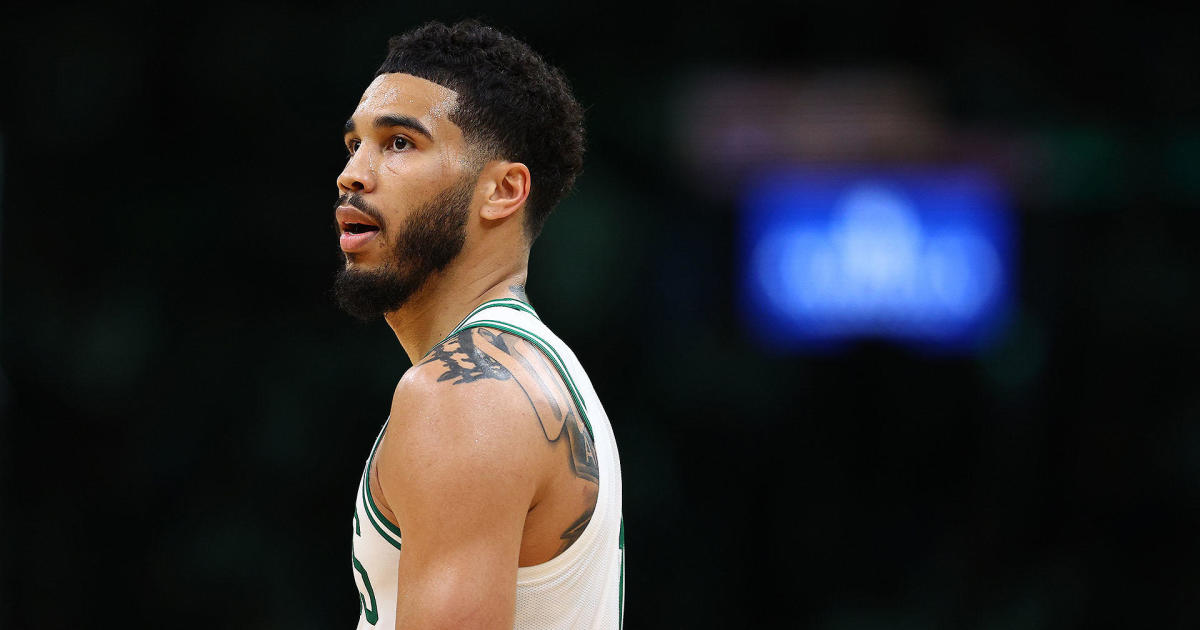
458, 470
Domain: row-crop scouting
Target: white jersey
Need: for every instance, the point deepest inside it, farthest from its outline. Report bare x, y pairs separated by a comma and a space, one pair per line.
583, 587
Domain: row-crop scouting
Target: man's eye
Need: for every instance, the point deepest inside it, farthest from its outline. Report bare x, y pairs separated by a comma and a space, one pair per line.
352, 146
400, 143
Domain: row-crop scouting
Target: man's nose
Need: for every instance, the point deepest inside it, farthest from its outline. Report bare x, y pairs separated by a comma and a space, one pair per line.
358, 175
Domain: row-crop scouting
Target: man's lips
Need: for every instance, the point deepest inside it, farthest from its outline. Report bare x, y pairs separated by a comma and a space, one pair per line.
357, 228
350, 219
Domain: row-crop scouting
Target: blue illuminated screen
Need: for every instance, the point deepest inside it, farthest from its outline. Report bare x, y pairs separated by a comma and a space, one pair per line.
919, 257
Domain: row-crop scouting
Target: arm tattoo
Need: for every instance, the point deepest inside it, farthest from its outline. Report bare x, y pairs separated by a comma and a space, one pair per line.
575, 530
481, 353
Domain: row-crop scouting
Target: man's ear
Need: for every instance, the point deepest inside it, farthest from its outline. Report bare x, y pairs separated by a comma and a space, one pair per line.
507, 188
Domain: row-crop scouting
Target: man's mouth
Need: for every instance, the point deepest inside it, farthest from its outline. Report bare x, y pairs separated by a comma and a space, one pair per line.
357, 228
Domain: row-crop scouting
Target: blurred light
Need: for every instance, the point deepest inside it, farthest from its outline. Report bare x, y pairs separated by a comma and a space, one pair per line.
922, 257
738, 122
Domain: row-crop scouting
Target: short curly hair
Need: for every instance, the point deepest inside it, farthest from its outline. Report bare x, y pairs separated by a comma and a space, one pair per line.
512, 105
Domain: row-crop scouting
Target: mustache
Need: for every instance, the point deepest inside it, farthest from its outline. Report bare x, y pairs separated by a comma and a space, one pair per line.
355, 200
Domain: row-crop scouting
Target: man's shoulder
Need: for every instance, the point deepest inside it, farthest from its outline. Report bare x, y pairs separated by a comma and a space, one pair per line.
459, 428
468, 356
468, 377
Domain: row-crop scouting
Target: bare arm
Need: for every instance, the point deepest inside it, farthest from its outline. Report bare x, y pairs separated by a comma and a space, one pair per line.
460, 466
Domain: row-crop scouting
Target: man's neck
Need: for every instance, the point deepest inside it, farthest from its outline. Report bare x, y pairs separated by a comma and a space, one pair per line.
433, 312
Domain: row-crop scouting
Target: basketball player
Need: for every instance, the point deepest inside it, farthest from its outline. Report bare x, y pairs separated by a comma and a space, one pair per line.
492, 496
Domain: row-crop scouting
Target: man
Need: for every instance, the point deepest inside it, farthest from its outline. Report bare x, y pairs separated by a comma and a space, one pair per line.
492, 497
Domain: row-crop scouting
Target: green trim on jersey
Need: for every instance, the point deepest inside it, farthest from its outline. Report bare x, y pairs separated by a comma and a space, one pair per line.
550, 353
395, 541
369, 501
512, 303
621, 593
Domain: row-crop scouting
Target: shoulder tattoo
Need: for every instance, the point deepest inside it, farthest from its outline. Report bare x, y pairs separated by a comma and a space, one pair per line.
478, 354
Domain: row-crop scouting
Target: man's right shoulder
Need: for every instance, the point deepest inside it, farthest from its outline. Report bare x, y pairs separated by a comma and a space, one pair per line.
458, 429
466, 369
464, 358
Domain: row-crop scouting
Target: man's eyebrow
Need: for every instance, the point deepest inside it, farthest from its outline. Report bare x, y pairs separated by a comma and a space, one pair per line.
394, 120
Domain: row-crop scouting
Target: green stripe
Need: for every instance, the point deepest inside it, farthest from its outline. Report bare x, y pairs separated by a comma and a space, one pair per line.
505, 302
621, 594
551, 354
378, 528
370, 500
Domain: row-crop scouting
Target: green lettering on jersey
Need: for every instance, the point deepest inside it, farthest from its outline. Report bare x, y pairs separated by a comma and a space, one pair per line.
370, 612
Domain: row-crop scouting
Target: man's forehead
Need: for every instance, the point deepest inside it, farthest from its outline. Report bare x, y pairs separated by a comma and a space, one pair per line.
398, 93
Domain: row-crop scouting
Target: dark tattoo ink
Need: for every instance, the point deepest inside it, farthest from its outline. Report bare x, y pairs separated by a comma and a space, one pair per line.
519, 291
575, 530
466, 362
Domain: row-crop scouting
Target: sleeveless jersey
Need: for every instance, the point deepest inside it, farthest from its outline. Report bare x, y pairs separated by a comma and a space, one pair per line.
584, 586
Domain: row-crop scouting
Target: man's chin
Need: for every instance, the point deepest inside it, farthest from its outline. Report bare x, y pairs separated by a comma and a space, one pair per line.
369, 292
357, 260
364, 268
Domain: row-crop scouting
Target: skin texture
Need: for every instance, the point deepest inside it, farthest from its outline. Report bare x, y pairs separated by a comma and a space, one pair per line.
486, 464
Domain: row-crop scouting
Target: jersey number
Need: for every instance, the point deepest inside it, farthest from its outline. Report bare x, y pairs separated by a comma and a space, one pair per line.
370, 612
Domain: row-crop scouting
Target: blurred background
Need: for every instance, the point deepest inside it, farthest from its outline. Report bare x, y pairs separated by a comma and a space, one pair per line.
893, 309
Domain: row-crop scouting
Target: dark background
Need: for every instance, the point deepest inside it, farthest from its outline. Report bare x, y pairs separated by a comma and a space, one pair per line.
186, 413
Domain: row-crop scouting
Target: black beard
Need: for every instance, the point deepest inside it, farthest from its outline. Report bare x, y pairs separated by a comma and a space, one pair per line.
429, 240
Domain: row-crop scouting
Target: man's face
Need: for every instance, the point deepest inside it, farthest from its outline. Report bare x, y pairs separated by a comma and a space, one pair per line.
405, 195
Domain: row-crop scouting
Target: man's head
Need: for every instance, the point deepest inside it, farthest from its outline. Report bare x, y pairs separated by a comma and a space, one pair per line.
463, 129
